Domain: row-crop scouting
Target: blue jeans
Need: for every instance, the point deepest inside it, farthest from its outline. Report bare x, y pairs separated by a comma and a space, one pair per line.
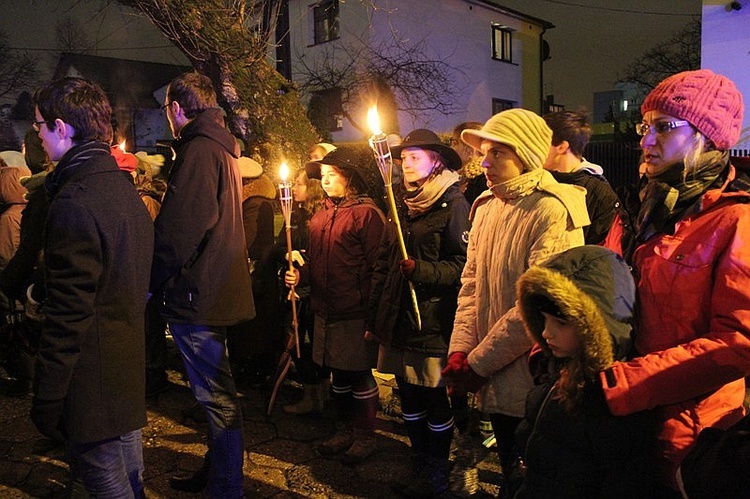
110, 468
204, 353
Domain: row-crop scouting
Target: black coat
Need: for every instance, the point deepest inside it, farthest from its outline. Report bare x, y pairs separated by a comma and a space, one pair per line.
589, 455
98, 245
437, 241
601, 202
200, 266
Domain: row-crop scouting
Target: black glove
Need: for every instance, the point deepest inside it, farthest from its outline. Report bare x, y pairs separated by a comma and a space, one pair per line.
47, 416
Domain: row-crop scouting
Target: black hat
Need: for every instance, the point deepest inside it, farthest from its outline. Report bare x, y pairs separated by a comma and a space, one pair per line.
340, 158
426, 139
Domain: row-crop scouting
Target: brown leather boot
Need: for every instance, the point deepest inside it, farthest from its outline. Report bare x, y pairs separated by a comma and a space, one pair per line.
365, 445
341, 441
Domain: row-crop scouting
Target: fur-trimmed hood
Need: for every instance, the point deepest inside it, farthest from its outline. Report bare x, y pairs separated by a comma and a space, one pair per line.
593, 288
262, 186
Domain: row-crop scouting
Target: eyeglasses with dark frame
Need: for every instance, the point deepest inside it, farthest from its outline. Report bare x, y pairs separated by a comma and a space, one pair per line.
165, 106
37, 125
660, 127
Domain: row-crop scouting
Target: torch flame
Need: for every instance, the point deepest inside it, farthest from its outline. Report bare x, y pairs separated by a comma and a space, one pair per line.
283, 172
373, 121
122, 145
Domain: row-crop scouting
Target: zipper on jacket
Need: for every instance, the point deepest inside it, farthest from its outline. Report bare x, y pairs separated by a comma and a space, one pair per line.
521, 464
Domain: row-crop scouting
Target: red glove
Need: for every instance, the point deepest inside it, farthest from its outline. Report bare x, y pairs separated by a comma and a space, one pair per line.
407, 267
457, 363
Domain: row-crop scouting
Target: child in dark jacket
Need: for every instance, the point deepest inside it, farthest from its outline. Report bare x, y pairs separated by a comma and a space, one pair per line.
577, 308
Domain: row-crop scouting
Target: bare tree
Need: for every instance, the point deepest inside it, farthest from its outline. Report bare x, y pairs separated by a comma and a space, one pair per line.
71, 36
17, 69
228, 40
419, 82
681, 53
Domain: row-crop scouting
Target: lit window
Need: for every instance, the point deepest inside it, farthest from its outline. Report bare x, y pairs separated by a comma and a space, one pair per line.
326, 21
501, 43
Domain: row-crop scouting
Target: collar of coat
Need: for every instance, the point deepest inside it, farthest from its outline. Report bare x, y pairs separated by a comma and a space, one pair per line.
573, 197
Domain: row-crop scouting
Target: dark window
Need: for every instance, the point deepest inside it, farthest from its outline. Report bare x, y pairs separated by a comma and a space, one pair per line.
326, 21
501, 43
325, 111
499, 105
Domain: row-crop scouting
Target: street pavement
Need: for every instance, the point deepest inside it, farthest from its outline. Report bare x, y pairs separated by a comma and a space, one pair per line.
280, 458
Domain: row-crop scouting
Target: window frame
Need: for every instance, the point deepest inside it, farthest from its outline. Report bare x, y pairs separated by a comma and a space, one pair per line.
503, 35
326, 21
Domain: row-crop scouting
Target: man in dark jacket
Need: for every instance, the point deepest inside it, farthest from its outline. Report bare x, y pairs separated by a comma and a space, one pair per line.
571, 132
98, 241
200, 271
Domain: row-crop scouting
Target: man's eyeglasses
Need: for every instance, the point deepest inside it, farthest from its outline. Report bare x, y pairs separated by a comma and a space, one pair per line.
37, 125
165, 106
660, 127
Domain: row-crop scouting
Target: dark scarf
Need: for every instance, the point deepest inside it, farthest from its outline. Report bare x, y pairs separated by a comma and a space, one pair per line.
75, 157
669, 197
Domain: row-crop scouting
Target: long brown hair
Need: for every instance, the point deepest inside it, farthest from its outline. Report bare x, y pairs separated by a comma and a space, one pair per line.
315, 193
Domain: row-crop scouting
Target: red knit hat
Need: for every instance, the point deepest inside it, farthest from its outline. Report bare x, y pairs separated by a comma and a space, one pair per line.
126, 161
709, 101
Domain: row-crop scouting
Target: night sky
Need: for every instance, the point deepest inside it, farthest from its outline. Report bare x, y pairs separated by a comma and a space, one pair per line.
592, 42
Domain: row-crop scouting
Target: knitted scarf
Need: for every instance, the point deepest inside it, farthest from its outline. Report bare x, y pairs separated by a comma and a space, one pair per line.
75, 156
668, 197
420, 200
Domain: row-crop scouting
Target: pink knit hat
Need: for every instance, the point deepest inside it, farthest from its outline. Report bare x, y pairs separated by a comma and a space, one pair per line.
709, 101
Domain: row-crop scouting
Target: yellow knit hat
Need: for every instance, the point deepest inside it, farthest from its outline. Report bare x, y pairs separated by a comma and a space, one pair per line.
523, 131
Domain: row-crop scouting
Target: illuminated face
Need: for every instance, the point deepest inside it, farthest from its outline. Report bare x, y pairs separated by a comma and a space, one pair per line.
332, 181
416, 164
465, 151
51, 141
299, 189
500, 162
561, 336
666, 148
317, 153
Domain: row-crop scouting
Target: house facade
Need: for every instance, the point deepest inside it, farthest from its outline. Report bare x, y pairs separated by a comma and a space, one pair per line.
725, 49
489, 58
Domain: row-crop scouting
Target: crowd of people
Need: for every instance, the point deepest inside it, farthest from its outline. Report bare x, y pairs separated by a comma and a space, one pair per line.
605, 336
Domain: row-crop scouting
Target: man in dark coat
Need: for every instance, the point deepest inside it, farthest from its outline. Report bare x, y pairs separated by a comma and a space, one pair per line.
571, 132
98, 241
200, 271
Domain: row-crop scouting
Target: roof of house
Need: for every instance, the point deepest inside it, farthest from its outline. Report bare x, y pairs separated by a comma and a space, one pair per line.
127, 83
515, 13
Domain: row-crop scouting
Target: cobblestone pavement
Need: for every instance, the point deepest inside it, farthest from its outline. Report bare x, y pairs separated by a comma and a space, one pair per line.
280, 459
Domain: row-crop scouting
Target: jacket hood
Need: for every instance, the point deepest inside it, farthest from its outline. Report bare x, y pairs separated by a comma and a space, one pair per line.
11, 190
259, 187
593, 288
210, 124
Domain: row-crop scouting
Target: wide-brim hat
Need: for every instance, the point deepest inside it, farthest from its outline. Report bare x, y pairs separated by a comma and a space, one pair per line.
249, 168
426, 139
340, 158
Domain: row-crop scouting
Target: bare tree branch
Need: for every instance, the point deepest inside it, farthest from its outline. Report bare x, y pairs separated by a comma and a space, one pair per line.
17, 69
681, 53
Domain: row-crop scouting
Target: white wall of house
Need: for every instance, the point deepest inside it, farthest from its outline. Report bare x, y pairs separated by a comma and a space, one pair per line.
458, 32
725, 49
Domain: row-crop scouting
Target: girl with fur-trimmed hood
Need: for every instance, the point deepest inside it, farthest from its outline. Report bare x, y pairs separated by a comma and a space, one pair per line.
578, 308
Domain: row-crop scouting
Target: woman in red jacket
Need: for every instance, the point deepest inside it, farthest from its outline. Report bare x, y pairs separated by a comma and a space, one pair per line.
344, 241
685, 236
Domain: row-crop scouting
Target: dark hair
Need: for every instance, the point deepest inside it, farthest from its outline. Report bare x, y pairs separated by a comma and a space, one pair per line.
80, 103
572, 126
194, 92
467, 125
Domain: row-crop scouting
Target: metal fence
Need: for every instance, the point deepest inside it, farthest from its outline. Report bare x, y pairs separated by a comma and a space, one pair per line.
619, 160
